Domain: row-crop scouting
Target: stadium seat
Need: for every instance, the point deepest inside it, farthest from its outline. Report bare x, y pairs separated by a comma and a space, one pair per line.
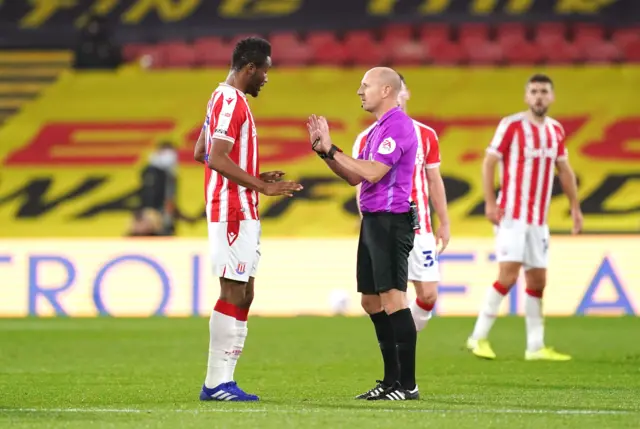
326, 49
177, 55
631, 52
475, 40
623, 37
364, 50
511, 33
131, 51
397, 32
590, 40
212, 52
445, 52
551, 40
288, 50
522, 52
435, 33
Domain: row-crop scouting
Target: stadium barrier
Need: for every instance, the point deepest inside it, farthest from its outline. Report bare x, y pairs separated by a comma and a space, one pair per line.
74, 171
171, 277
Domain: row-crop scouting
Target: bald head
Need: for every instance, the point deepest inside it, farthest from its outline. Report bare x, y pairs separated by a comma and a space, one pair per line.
379, 89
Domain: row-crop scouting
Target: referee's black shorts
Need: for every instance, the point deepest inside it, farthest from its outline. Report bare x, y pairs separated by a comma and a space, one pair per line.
386, 239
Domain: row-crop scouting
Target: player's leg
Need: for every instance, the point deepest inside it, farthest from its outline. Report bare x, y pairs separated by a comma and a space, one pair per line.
510, 240
372, 305
233, 252
391, 272
535, 265
422, 307
425, 275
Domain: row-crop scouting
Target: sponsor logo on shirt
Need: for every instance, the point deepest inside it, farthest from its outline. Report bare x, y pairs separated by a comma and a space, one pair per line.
387, 146
220, 131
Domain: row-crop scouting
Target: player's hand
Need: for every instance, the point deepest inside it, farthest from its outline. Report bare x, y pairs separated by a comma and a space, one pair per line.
443, 235
493, 213
281, 188
319, 136
576, 216
271, 176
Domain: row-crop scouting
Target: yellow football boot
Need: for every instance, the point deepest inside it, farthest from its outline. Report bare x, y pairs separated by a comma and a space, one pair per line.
480, 348
546, 353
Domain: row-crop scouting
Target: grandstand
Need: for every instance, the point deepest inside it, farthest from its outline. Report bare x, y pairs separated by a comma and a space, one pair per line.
100, 326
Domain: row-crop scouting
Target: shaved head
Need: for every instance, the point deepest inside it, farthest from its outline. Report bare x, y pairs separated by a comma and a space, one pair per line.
379, 89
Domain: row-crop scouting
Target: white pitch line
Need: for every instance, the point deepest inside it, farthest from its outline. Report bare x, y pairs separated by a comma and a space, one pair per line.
313, 410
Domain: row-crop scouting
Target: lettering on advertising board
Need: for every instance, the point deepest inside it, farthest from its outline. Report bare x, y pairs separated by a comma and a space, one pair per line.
172, 278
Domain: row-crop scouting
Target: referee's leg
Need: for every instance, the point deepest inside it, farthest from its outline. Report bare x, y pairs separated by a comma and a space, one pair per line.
391, 284
372, 304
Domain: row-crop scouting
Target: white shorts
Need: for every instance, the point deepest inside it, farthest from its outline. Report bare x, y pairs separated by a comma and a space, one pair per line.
518, 242
234, 249
423, 261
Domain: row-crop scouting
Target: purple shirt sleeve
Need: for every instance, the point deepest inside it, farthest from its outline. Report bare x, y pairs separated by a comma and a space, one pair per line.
388, 148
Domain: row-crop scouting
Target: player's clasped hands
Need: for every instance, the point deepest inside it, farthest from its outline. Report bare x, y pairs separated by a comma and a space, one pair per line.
319, 133
275, 186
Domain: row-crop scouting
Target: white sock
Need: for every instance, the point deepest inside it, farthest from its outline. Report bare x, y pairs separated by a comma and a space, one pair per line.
489, 311
238, 345
222, 331
421, 313
534, 320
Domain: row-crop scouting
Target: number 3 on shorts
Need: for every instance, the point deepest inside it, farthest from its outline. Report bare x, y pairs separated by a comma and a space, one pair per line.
429, 258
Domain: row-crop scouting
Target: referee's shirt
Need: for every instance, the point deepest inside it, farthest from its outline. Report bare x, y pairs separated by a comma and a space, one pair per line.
386, 234
392, 142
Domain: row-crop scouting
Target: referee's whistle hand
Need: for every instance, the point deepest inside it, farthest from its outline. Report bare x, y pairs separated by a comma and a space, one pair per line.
281, 188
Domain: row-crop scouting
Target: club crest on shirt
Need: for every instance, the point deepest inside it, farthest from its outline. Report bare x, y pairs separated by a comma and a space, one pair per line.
387, 146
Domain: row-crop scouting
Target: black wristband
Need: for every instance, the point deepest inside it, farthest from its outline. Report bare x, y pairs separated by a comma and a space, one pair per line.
322, 155
333, 151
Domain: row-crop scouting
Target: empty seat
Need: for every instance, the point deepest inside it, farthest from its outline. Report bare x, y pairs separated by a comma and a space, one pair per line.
177, 55
397, 32
287, 50
326, 49
364, 50
623, 37
212, 52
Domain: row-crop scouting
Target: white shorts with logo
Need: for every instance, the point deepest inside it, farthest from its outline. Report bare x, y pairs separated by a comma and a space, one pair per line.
423, 260
234, 248
518, 242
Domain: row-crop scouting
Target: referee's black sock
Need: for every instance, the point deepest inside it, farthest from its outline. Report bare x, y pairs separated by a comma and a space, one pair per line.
406, 336
387, 342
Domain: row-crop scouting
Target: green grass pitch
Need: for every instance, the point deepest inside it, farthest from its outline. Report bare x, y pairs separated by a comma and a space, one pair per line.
147, 373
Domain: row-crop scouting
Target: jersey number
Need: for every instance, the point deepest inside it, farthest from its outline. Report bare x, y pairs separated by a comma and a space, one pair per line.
429, 258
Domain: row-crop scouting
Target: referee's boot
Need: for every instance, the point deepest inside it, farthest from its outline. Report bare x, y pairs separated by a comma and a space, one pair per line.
378, 389
397, 393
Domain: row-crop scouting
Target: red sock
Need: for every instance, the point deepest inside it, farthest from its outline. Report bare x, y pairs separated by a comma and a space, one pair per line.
424, 306
502, 290
534, 293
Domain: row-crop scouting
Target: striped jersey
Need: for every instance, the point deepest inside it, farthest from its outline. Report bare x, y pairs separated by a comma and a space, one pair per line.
427, 156
229, 118
528, 154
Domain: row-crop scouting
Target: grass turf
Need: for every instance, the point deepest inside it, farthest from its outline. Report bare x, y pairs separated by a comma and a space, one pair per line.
147, 373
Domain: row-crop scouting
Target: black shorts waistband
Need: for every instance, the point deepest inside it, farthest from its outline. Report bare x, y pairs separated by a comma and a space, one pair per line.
383, 214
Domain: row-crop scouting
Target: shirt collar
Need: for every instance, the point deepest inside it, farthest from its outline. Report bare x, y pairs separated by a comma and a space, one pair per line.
389, 114
234, 88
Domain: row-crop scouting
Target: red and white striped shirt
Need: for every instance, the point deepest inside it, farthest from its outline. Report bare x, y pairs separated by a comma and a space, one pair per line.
529, 153
229, 118
427, 156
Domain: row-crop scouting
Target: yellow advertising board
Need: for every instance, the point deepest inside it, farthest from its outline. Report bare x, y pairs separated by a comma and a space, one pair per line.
71, 160
172, 277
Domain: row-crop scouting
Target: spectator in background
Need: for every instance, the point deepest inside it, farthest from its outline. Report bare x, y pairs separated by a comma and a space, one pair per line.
95, 49
159, 182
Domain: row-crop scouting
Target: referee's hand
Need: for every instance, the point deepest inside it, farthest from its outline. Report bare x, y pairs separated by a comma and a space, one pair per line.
442, 237
319, 136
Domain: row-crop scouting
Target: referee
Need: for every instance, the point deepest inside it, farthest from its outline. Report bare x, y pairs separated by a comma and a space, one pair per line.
385, 169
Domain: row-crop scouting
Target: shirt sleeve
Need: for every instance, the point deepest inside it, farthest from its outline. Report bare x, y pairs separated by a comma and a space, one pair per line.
433, 149
358, 145
390, 148
562, 149
502, 138
227, 117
